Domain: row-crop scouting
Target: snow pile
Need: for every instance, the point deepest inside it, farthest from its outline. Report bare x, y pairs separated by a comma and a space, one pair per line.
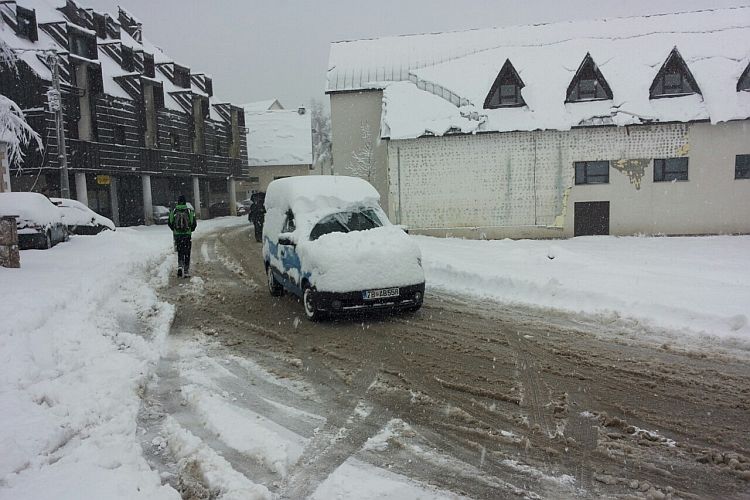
32, 209
698, 284
279, 137
377, 258
82, 329
402, 101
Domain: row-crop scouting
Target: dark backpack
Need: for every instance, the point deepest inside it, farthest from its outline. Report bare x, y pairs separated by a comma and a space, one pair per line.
181, 220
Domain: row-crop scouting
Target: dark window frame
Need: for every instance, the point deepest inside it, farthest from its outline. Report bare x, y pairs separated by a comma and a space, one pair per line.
174, 141
585, 177
149, 68
743, 82
182, 76
674, 65
588, 71
742, 166
82, 44
26, 24
100, 25
507, 77
119, 135
671, 169
127, 58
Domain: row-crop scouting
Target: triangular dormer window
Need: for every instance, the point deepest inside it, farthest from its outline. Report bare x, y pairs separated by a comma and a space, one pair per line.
588, 84
674, 78
506, 91
744, 82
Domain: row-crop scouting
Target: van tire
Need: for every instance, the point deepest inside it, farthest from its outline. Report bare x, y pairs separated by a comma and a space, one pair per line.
308, 299
274, 288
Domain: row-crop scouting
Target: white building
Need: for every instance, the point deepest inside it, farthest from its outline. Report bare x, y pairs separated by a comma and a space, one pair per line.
619, 126
279, 142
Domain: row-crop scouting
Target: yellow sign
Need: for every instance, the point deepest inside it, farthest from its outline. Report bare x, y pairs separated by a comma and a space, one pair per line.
103, 180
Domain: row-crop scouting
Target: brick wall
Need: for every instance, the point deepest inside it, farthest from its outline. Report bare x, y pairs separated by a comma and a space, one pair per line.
9, 256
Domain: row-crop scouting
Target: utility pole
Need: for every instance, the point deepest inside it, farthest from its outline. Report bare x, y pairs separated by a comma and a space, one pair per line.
54, 97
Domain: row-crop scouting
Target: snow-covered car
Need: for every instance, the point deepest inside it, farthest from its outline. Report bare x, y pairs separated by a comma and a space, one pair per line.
80, 219
327, 240
39, 222
161, 214
241, 210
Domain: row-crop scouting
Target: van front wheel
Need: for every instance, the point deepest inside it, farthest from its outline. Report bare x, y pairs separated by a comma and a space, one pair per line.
274, 288
308, 300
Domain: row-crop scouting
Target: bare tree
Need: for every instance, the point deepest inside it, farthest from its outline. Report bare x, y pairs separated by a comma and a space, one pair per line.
362, 163
321, 134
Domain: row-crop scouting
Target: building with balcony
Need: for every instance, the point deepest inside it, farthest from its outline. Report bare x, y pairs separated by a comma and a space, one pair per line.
140, 128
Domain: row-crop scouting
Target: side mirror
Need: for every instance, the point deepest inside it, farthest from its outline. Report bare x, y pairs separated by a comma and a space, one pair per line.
287, 239
403, 228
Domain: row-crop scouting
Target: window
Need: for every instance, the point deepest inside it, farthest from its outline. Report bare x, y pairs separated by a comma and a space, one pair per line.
174, 141
148, 65
588, 84
592, 172
181, 76
742, 167
506, 91
128, 58
289, 225
744, 81
82, 44
345, 222
100, 25
26, 19
671, 169
119, 133
674, 79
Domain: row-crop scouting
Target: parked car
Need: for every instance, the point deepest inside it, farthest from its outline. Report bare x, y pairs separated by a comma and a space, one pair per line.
221, 208
327, 240
161, 214
39, 222
80, 219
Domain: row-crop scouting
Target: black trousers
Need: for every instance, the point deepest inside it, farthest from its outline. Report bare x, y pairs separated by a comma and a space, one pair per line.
258, 230
183, 243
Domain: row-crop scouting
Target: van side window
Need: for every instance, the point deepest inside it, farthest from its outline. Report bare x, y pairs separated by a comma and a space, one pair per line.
289, 226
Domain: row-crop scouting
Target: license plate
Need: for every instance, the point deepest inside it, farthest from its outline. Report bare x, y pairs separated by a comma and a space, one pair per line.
380, 294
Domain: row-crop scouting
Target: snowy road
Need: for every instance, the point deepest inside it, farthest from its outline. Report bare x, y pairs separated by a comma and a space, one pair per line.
463, 398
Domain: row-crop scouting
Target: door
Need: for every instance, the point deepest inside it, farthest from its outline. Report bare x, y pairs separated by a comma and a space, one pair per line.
591, 218
130, 196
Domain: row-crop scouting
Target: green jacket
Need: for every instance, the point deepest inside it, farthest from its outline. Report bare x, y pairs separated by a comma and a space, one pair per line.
191, 218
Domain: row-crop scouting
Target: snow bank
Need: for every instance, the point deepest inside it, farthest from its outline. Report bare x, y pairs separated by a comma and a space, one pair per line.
82, 328
696, 284
376, 258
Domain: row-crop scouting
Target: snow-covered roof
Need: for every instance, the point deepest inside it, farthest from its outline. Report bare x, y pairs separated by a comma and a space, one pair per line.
261, 106
47, 11
279, 137
461, 67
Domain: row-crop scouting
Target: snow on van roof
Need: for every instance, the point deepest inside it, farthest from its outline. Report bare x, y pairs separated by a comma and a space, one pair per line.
316, 192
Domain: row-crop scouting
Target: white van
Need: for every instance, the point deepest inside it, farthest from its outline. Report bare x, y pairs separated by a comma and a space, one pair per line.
326, 240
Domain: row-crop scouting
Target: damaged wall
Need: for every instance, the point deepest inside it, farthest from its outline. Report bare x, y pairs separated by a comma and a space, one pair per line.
521, 184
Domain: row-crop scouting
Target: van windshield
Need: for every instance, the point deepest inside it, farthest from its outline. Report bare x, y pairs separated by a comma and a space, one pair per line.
345, 222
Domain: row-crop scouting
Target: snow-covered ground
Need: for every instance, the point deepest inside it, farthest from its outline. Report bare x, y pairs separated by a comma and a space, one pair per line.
696, 285
83, 329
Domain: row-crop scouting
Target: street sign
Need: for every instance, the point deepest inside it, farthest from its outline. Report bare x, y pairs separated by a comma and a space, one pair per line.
103, 180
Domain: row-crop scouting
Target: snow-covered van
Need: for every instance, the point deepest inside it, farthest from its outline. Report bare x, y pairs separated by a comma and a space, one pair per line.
326, 240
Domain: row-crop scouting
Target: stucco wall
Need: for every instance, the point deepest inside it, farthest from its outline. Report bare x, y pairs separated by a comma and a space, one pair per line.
521, 184
350, 111
267, 173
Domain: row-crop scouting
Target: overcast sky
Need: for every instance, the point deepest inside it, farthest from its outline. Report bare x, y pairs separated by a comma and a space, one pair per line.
257, 50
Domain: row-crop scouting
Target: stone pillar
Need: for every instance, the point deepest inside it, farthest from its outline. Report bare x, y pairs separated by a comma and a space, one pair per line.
114, 199
82, 193
4, 169
148, 207
232, 197
197, 197
9, 256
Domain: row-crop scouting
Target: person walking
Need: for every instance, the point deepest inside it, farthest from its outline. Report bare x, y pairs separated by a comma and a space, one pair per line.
182, 223
257, 214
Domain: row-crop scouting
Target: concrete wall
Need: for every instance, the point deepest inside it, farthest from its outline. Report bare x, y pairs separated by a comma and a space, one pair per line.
350, 111
266, 174
521, 184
